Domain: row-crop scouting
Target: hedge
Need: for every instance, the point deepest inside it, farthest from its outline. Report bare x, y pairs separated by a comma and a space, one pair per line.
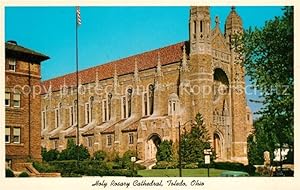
9, 173
44, 167
24, 174
70, 166
235, 167
165, 165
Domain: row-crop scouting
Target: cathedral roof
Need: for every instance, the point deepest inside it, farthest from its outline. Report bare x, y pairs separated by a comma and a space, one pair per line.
146, 60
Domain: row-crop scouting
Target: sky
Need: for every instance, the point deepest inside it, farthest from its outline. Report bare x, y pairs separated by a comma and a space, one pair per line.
111, 33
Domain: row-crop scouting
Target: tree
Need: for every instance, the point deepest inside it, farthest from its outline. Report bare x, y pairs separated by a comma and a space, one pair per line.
74, 152
164, 151
259, 142
268, 54
100, 155
194, 142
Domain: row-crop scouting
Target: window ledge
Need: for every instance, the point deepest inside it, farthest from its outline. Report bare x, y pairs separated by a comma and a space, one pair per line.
11, 108
14, 144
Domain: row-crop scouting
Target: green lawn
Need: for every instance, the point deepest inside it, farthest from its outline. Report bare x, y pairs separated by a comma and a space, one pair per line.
201, 172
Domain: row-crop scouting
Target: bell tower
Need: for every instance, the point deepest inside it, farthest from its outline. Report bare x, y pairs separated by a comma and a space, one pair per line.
199, 26
200, 65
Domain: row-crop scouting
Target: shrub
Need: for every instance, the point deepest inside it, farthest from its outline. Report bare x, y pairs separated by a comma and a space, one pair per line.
73, 152
126, 159
250, 169
9, 173
44, 167
139, 166
191, 166
69, 167
101, 172
100, 155
165, 165
24, 174
50, 155
229, 166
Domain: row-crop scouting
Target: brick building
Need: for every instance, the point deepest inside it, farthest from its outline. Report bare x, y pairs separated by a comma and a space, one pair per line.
22, 105
136, 102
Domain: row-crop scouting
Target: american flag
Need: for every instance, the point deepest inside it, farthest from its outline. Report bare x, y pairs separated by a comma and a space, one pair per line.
78, 15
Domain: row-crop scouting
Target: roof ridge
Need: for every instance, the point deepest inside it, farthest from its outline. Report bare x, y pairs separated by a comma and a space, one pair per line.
113, 61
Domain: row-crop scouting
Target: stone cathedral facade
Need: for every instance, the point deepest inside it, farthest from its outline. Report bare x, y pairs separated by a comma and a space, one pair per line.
136, 102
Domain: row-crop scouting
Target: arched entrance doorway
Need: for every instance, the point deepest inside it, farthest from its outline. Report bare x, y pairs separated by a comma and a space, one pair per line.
151, 146
218, 145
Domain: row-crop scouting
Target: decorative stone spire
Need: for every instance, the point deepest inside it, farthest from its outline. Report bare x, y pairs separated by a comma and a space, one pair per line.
136, 71
115, 79
158, 68
233, 24
184, 66
217, 21
97, 78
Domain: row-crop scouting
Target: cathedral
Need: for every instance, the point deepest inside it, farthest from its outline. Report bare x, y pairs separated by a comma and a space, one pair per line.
137, 102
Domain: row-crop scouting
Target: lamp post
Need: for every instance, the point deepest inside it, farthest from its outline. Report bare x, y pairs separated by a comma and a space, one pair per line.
179, 141
133, 159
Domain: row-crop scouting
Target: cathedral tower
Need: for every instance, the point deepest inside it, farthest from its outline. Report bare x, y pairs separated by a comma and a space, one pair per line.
240, 127
200, 66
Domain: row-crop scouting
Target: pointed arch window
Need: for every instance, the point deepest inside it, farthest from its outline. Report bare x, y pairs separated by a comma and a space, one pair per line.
201, 26
109, 105
173, 107
44, 118
88, 110
75, 112
104, 111
91, 101
124, 107
57, 113
129, 100
151, 98
145, 103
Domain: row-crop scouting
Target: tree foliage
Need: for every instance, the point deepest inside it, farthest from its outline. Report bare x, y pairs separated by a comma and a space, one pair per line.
74, 152
268, 58
164, 151
194, 142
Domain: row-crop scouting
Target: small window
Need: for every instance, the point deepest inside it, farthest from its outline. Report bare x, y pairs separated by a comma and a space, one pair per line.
131, 140
7, 98
174, 107
17, 135
90, 141
12, 65
56, 118
17, 100
7, 134
201, 26
55, 144
109, 140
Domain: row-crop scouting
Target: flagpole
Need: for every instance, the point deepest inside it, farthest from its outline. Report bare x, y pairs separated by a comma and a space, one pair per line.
77, 81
